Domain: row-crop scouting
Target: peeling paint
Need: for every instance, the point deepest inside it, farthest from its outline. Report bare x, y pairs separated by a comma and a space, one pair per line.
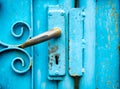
108, 82
53, 49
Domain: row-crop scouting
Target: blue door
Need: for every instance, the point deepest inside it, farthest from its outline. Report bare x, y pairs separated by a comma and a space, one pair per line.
84, 56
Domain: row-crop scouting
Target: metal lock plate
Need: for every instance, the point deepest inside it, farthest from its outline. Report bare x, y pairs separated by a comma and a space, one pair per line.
56, 19
76, 41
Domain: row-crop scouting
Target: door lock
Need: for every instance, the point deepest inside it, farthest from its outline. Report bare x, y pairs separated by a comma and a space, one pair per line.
56, 47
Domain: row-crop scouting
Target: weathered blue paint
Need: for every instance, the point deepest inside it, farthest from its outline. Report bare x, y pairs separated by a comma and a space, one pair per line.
29, 68
56, 47
88, 78
15, 28
76, 42
107, 42
40, 63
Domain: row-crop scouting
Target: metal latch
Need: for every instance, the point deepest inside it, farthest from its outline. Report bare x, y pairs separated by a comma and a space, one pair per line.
77, 42
56, 18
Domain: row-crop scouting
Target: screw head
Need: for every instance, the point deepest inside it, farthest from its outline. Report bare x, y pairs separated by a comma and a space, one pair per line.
83, 13
50, 14
83, 41
62, 14
56, 72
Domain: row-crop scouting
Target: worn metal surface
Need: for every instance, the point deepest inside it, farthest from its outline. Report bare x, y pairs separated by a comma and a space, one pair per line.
54, 33
29, 68
56, 47
76, 41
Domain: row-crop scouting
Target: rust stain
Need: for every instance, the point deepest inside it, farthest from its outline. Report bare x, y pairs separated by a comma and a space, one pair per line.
69, 40
69, 68
117, 27
53, 49
113, 11
108, 82
117, 15
51, 65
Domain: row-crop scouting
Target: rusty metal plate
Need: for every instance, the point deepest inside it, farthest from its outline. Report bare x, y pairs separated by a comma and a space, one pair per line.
56, 19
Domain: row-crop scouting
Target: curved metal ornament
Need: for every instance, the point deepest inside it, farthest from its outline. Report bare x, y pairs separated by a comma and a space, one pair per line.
21, 56
20, 32
18, 58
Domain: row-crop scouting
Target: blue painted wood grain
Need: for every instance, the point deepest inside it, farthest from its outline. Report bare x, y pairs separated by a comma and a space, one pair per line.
107, 42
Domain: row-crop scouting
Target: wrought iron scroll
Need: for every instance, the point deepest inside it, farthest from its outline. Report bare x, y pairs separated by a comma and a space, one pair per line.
21, 56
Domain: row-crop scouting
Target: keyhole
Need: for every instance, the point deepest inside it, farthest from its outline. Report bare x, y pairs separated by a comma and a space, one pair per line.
56, 59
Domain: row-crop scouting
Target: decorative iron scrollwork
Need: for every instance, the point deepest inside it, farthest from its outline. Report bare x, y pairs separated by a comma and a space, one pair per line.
20, 59
20, 32
18, 29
